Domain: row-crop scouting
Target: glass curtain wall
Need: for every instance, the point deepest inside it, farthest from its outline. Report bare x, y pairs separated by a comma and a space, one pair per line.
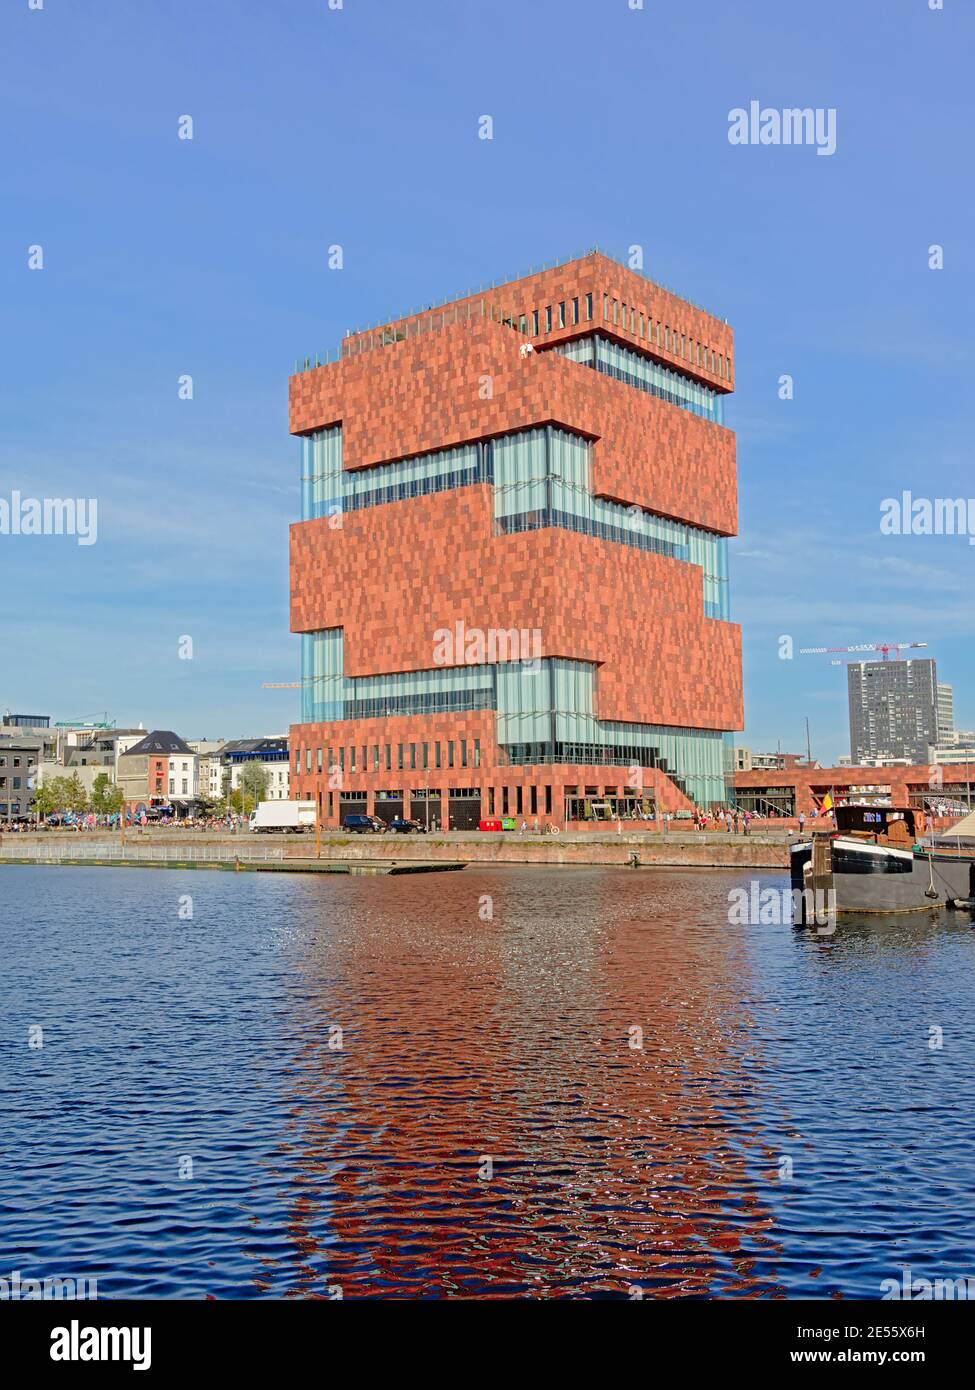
545, 712
632, 368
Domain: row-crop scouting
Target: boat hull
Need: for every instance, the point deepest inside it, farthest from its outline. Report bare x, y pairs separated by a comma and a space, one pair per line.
870, 878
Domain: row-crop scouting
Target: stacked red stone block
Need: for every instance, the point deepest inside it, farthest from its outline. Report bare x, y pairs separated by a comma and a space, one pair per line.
392, 575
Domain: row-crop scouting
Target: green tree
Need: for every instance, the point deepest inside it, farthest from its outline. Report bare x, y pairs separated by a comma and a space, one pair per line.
61, 794
253, 785
106, 797
75, 796
45, 801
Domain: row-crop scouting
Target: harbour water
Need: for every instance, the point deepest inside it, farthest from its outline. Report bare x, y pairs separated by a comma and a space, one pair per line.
435, 1086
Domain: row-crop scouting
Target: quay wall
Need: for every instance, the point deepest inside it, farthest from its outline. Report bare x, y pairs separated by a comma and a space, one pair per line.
691, 850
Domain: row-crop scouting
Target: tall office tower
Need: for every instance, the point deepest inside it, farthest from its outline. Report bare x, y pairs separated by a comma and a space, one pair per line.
946, 714
510, 574
893, 709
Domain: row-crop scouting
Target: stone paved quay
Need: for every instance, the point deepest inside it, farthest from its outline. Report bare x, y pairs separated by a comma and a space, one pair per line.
708, 849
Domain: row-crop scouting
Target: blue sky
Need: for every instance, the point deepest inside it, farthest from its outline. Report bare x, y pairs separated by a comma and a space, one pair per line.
358, 127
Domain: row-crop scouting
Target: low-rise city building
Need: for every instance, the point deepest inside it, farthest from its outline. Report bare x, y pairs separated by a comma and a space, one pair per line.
160, 770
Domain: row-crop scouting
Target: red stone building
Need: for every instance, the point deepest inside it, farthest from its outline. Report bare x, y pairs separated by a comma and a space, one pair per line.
797, 787
510, 575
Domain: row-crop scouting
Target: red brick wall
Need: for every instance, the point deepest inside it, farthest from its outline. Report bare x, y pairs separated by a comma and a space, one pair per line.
492, 772
425, 394
598, 275
638, 615
392, 576
811, 783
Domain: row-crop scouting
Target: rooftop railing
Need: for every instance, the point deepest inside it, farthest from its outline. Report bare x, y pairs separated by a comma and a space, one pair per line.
389, 335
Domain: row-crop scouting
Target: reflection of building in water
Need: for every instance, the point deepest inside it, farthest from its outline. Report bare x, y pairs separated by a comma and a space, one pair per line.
508, 1041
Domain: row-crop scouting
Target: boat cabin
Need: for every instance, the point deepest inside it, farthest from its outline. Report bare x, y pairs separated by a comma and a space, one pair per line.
885, 825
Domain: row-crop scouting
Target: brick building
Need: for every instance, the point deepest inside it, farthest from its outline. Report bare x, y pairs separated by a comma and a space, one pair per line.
510, 574
799, 787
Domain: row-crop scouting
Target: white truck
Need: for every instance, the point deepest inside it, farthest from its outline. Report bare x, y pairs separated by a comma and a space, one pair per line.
285, 817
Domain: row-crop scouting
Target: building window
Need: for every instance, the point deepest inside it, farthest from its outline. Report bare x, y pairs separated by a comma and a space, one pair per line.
436, 754
375, 757
534, 323
589, 306
490, 805
318, 762
575, 311
463, 752
548, 319
424, 755
477, 752
548, 801
504, 801
450, 752
533, 804
399, 755
308, 760
562, 314
413, 756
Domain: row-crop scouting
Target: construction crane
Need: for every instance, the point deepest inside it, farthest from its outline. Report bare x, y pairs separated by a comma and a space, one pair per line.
280, 685
885, 648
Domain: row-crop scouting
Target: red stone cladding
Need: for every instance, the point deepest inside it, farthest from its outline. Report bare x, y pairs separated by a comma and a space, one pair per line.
425, 394
639, 616
493, 771
812, 783
599, 276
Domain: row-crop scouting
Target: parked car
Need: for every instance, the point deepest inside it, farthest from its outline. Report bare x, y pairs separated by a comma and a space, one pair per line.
364, 825
407, 827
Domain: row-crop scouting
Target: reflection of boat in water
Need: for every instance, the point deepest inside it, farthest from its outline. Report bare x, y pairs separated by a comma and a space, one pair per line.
874, 862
